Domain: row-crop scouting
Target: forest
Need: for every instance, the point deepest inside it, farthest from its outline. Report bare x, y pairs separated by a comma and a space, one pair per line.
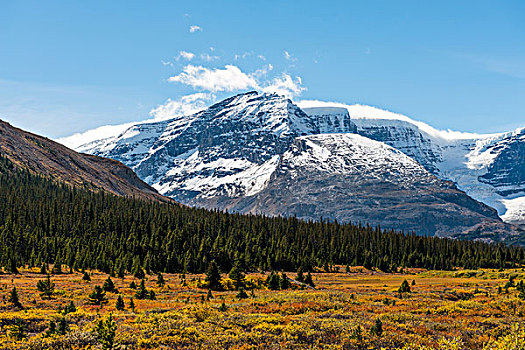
43, 221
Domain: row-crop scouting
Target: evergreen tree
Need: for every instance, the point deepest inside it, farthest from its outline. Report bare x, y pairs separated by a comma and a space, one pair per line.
142, 292
242, 294
98, 296
132, 285
56, 219
109, 286
86, 277
46, 288
308, 280
106, 331
284, 282
14, 298
273, 281
120, 303
131, 304
236, 274
213, 277
12, 268
52, 329
404, 288
43, 269
138, 272
160, 280
300, 275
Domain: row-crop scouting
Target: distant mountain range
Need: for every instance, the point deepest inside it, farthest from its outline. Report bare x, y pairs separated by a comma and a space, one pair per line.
261, 153
44, 157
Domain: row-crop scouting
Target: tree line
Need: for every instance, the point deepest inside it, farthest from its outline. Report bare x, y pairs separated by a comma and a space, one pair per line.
43, 221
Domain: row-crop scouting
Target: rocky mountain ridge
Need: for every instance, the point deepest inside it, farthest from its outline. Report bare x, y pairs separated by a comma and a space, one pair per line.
236, 152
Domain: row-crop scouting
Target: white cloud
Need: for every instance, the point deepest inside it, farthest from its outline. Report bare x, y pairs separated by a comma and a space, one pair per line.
76, 140
290, 57
285, 85
166, 63
261, 57
230, 78
260, 73
208, 58
194, 29
188, 56
244, 55
186, 105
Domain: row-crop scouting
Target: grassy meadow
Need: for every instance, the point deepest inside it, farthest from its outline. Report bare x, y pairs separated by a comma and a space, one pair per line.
358, 309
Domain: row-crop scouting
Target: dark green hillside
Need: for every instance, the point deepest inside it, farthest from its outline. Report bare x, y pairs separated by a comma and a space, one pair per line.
42, 221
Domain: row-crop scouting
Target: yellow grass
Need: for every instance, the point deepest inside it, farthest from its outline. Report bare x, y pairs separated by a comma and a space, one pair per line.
445, 310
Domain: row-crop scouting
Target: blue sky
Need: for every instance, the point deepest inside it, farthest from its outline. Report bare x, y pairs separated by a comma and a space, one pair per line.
70, 66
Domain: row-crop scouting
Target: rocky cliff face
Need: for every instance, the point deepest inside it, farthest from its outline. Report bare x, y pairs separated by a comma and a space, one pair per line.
261, 153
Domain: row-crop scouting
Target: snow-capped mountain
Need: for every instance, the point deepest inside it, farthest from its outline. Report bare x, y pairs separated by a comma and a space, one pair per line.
229, 149
489, 168
261, 153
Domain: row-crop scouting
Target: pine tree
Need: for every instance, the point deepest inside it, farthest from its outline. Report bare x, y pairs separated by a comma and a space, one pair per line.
46, 288
86, 276
131, 304
106, 331
142, 292
404, 288
160, 280
109, 286
273, 281
237, 275
120, 303
132, 285
284, 282
308, 280
137, 270
300, 275
213, 277
52, 329
98, 296
12, 268
57, 266
14, 298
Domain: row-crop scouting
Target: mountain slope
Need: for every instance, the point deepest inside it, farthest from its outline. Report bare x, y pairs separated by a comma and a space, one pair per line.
489, 168
352, 178
51, 159
240, 153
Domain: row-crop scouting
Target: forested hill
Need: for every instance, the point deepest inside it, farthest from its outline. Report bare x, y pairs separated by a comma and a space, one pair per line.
45, 157
45, 221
